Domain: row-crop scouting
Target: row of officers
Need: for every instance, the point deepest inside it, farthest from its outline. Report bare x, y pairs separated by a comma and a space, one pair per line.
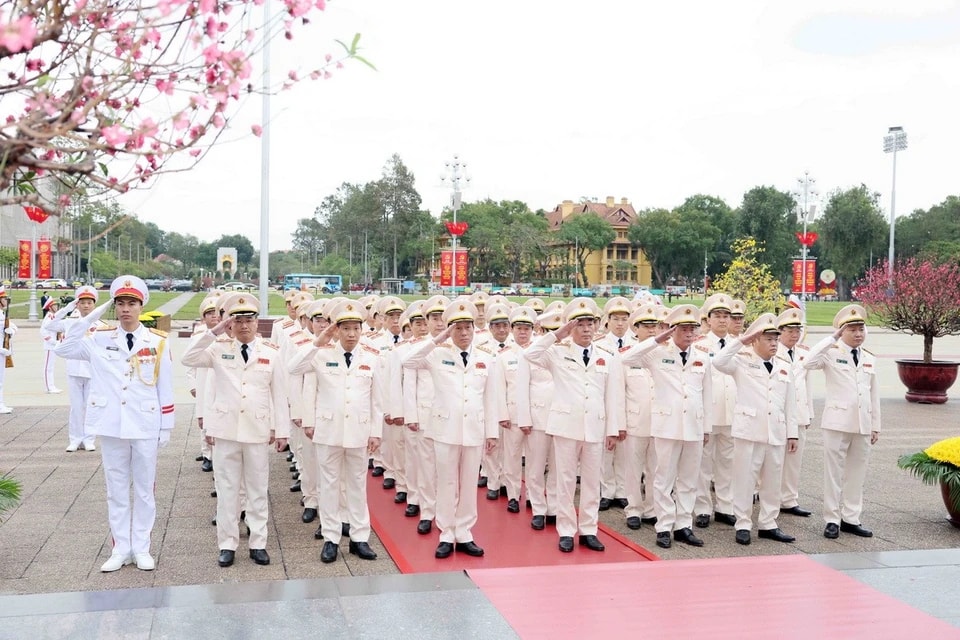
644, 405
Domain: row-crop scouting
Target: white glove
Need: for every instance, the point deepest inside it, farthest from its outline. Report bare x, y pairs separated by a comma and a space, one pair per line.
94, 315
164, 437
5, 352
11, 330
67, 310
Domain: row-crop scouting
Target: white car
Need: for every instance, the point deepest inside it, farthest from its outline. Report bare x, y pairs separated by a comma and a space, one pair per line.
53, 283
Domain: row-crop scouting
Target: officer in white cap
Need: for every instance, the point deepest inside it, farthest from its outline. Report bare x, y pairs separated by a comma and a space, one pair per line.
850, 420
9, 330
50, 339
586, 415
463, 421
415, 319
681, 418
497, 338
246, 412
790, 323
613, 476
209, 317
764, 425
131, 409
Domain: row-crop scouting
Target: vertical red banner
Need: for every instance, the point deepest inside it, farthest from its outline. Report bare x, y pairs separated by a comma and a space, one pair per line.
446, 268
811, 276
23, 268
44, 259
463, 261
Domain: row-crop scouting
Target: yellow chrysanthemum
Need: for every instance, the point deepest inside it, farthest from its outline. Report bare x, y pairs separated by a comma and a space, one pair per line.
946, 451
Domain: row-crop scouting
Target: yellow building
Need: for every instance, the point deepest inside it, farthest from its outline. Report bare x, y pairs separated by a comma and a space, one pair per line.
618, 263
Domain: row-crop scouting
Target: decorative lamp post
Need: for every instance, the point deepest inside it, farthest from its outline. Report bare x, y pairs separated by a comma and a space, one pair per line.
895, 140
455, 173
807, 194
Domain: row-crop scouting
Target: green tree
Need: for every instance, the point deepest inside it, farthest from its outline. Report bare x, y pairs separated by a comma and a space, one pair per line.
748, 278
675, 242
723, 218
940, 222
239, 242
587, 232
851, 230
769, 217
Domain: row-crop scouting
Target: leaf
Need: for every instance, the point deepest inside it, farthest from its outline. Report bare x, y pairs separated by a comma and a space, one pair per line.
356, 41
364, 61
103, 168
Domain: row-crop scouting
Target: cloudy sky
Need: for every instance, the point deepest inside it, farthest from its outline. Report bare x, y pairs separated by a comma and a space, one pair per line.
554, 100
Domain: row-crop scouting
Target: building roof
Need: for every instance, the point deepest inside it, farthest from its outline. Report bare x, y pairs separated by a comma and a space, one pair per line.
619, 214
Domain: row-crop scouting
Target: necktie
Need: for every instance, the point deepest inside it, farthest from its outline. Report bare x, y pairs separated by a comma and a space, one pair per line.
723, 343
501, 345
464, 355
586, 357
790, 352
129, 342
619, 343
769, 366
396, 339
683, 357
856, 357
347, 356
243, 352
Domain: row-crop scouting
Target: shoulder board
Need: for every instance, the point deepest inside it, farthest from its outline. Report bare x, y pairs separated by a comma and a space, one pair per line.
224, 338
270, 345
367, 347
106, 328
326, 346
625, 347
296, 333
782, 359
565, 343
417, 340
700, 337
484, 348
867, 351
505, 348
157, 332
300, 343
603, 347
700, 347
835, 346
287, 324
802, 347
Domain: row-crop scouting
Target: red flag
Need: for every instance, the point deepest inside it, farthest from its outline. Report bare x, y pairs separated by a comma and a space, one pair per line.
44, 259
26, 249
36, 214
807, 239
457, 228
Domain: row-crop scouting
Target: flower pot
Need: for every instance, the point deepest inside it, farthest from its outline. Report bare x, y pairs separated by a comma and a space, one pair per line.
954, 515
927, 382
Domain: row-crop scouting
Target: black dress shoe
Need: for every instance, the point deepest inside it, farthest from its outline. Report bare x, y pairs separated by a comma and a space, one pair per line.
424, 527
493, 494
503, 492
345, 529
290, 457
686, 535
663, 539
796, 511
389, 483
537, 523
633, 522
591, 542
329, 552
725, 518
226, 557
200, 458
444, 549
605, 504
400, 498
742, 537
621, 502
214, 521
412, 510
295, 487
832, 531
318, 534
286, 448
293, 468
566, 544
295, 476
207, 465
513, 506
702, 521
377, 472
309, 515
551, 520
775, 534
259, 556
529, 506
482, 482
213, 494
369, 463
362, 550
855, 529
470, 548
650, 520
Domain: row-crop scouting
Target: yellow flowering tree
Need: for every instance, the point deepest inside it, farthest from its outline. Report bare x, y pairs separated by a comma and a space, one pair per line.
749, 279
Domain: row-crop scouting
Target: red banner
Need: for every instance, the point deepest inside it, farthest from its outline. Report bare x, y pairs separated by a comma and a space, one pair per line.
447, 268
463, 260
44, 259
811, 279
36, 214
23, 270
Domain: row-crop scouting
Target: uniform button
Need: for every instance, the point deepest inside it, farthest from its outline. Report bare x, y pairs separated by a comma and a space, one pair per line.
123, 402
243, 396
241, 410
124, 388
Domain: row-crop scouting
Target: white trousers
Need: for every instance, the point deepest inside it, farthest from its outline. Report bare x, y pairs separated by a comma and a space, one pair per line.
640, 459
394, 455
716, 465
613, 475
756, 463
457, 469
492, 465
510, 445
845, 457
126, 461
79, 390
345, 468
309, 472
3, 375
790, 481
246, 465
426, 455
678, 467
568, 453
49, 359
541, 475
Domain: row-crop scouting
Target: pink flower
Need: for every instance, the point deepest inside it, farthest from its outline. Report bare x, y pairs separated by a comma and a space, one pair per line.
114, 135
18, 35
256, 129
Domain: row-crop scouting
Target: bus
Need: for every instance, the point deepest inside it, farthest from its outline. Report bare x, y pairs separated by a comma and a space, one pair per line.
313, 283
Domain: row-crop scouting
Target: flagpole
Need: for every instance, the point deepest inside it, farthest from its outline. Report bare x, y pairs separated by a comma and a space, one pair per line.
33, 275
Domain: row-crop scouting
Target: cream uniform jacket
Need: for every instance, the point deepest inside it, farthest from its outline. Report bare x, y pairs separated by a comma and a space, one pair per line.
463, 411
852, 400
49, 329
534, 394
724, 386
508, 363
131, 393
391, 375
588, 400
766, 409
682, 407
245, 401
638, 386
804, 393
346, 401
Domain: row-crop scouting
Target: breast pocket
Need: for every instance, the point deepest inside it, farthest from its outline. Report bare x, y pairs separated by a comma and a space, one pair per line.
149, 407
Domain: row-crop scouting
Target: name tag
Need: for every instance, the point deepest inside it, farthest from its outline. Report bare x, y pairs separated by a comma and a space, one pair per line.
755, 366
113, 348
841, 361
449, 362
227, 356
668, 361
569, 358
333, 364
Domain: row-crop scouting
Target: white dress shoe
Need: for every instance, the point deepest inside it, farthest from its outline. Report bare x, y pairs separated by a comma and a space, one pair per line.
5, 409
72, 447
145, 562
89, 446
54, 390
115, 562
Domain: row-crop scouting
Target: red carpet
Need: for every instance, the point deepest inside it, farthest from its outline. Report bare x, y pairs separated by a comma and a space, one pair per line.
506, 538
769, 597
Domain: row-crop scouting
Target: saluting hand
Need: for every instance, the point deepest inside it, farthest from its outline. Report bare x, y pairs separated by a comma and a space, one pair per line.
98, 312
373, 444
325, 336
566, 329
223, 325
665, 335
443, 335
749, 338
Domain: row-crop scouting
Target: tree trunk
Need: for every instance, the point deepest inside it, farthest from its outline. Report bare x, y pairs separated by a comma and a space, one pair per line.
927, 348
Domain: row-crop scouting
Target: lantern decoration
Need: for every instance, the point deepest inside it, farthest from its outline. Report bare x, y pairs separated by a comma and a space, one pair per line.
807, 238
457, 229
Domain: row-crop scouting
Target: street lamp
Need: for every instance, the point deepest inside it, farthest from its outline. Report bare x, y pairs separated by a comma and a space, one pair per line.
895, 140
805, 191
455, 174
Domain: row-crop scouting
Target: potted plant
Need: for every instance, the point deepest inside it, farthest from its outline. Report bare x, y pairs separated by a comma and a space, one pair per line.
921, 297
939, 464
9, 494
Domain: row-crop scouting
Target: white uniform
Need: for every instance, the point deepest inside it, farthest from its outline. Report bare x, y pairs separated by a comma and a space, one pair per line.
613, 473
10, 331
392, 446
51, 338
511, 442
421, 456
534, 397
851, 412
293, 339
640, 455
790, 489
717, 464
764, 418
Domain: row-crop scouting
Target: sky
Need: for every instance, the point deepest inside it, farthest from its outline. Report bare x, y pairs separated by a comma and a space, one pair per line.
558, 100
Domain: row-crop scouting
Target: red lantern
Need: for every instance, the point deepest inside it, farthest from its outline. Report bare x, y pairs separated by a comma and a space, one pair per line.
807, 239
457, 228
36, 214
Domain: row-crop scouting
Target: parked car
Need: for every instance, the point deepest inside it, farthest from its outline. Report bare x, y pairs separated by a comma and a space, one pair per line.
237, 286
53, 283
